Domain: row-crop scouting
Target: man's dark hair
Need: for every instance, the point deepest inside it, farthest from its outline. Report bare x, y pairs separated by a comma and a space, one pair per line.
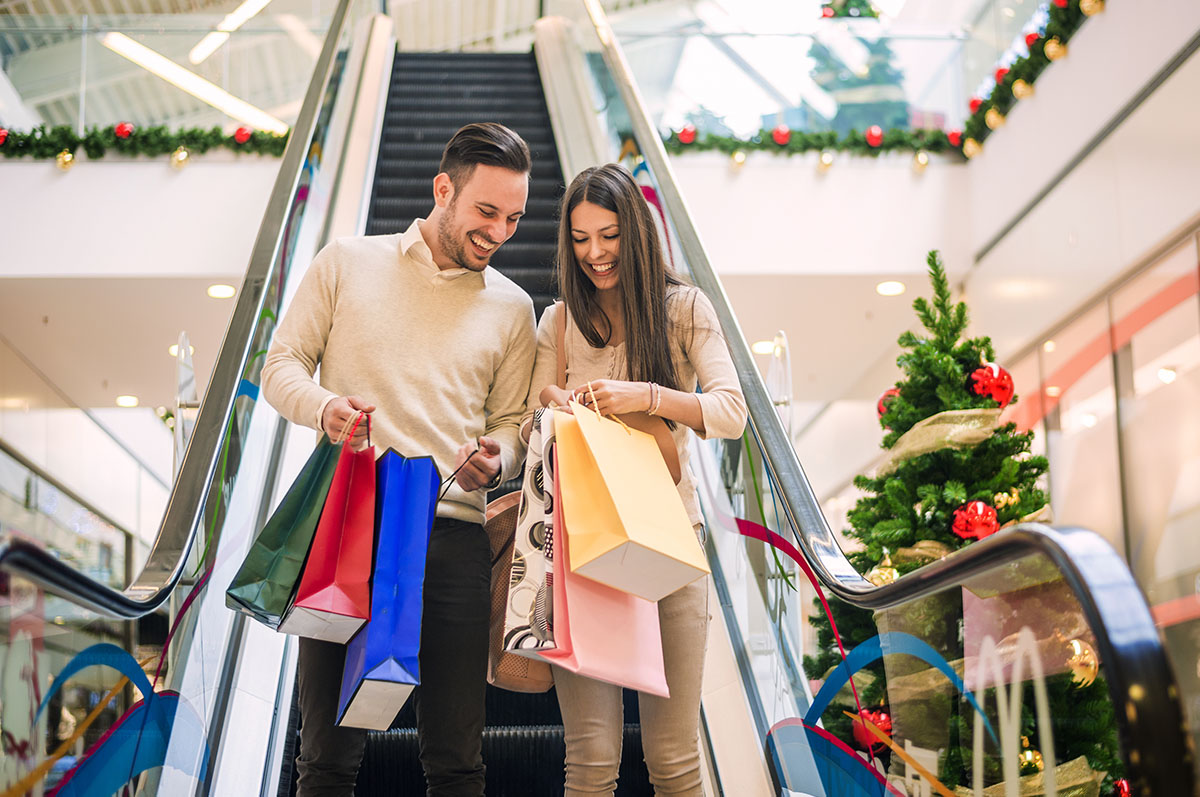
488, 143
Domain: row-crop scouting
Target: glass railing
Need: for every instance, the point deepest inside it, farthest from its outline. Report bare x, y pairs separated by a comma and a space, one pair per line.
113, 474
105, 689
1028, 662
840, 78
177, 70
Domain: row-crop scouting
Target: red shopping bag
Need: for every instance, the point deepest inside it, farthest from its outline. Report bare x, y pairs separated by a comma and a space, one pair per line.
333, 599
585, 615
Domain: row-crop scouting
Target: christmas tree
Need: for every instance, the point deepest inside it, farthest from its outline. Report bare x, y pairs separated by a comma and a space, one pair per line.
837, 9
952, 474
872, 94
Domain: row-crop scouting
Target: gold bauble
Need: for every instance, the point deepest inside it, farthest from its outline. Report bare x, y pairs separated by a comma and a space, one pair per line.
1021, 89
971, 148
825, 161
920, 161
180, 158
993, 119
1055, 49
1091, 7
1032, 757
738, 158
883, 573
65, 160
922, 552
1083, 663
1000, 500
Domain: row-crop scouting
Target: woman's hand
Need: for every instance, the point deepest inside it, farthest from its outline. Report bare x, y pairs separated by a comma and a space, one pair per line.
553, 394
614, 397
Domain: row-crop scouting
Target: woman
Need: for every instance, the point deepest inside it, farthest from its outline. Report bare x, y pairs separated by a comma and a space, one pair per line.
637, 341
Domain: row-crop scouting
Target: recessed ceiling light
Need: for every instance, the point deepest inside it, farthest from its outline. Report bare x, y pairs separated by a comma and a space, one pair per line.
1053, 390
173, 349
127, 401
1088, 419
14, 403
890, 288
1049, 346
1167, 375
1008, 12
763, 347
219, 291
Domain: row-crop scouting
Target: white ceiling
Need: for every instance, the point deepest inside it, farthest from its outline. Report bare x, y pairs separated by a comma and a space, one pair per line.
96, 339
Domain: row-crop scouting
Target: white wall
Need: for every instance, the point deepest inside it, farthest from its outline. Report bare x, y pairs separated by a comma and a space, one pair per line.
132, 217
1110, 60
779, 215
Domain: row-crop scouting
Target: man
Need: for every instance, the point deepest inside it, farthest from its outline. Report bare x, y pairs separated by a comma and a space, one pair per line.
417, 325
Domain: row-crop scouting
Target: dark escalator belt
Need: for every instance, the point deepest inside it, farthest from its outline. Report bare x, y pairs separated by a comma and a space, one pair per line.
431, 96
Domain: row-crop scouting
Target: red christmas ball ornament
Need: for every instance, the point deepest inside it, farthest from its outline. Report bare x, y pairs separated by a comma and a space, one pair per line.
242, 135
1062, 3
955, 138
974, 104
687, 134
874, 135
1001, 73
827, 12
123, 130
781, 135
3, 135
975, 520
994, 382
882, 406
1121, 788
1031, 38
862, 734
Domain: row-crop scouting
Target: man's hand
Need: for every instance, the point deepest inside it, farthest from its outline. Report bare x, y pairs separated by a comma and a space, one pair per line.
482, 467
342, 411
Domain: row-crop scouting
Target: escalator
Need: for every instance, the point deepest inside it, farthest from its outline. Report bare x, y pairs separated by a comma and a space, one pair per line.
206, 710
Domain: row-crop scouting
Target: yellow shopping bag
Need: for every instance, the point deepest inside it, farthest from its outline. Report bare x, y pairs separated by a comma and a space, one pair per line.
628, 527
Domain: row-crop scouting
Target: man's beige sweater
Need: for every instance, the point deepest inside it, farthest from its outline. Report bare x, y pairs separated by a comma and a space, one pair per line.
445, 356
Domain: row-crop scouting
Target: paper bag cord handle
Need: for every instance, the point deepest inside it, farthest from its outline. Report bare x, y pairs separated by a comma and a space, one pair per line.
449, 480
596, 409
351, 425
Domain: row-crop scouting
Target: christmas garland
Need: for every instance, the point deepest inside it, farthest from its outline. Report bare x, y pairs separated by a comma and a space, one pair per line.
1013, 82
793, 142
127, 139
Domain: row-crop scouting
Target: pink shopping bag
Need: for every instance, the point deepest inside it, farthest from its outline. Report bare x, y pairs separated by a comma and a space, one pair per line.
585, 615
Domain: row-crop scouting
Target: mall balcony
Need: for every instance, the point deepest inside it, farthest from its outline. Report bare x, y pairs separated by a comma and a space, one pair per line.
950, 555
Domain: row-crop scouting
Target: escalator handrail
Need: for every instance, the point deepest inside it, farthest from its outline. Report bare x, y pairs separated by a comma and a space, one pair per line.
193, 485
1140, 681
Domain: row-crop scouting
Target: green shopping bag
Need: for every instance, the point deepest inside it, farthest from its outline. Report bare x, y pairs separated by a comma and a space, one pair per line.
265, 583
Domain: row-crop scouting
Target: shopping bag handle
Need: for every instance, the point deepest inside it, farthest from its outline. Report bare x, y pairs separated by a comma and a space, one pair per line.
352, 426
449, 480
592, 392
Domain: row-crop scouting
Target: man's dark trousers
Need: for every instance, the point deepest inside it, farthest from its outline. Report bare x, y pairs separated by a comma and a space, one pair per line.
449, 702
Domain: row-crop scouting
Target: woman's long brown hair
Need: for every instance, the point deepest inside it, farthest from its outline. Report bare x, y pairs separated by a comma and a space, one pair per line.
644, 277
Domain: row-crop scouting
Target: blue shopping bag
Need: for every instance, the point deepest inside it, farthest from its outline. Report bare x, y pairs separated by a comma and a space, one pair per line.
381, 660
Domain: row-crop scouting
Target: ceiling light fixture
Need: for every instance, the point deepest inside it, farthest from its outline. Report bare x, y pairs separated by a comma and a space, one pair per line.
192, 83
173, 350
1088, 419
763, 347
220, 291
890, 288
1049, 346
1053, 391
233, 20
127, 401
1167, 375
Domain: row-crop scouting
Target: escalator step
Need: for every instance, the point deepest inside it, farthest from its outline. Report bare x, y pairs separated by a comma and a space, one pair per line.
522, 761
441, 134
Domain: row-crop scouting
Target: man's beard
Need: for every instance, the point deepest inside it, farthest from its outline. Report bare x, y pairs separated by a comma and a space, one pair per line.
455, 248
